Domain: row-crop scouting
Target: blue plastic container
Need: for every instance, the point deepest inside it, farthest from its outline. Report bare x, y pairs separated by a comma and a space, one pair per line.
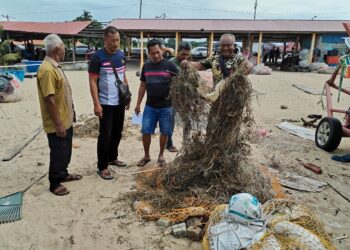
32, 66
19, 73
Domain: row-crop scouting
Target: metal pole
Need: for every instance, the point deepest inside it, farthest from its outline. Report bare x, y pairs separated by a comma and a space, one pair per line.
140, 13
255, 5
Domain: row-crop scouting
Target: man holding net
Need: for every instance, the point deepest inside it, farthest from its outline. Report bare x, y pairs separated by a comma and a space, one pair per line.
224, 64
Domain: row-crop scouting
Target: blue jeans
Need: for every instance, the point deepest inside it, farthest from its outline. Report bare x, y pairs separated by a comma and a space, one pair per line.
151, 116
169, 143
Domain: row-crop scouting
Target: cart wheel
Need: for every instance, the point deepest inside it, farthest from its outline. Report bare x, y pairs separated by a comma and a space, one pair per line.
328, 134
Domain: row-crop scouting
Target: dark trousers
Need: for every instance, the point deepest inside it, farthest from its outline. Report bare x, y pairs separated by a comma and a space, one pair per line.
60, 155
169, 143
111, 127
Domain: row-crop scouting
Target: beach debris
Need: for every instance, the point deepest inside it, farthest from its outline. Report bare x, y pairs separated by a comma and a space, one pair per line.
284, 107
262, 132
164, 222
314, 116
9, 85
298, 182
304, 133
237, 225
15, 151
261, 69
327, 70
217, 151
277, 224
314, 168
195, 233
87, 125
317, 65
340, 237
179, 230
292, 226
310, 123
308, 90
214, 162
290, 120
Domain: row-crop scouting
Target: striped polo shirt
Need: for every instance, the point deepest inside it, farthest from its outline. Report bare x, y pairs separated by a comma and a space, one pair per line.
158, 80
100, 66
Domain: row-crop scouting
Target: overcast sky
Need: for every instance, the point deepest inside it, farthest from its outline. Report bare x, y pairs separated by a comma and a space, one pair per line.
66, 10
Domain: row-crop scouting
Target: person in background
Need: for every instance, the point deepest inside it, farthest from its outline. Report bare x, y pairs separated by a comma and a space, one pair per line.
183, 53
236, 49
277, 54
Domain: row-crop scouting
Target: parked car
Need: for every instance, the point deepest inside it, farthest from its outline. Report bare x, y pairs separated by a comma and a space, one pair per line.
81, 49
199, 52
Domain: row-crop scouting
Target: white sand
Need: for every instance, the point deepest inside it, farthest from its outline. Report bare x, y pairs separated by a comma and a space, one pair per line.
93, 215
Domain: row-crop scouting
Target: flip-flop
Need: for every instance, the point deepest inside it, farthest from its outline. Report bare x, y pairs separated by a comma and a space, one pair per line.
60, 190
105, 176
118, 163
72, 177
143, 162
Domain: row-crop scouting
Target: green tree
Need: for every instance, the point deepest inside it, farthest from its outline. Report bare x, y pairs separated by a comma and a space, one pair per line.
86, 16
170, 43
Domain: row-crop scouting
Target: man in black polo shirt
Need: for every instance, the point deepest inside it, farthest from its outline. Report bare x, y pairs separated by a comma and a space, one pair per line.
155, 78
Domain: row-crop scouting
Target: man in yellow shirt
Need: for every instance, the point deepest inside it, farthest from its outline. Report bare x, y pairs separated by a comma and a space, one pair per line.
57, 112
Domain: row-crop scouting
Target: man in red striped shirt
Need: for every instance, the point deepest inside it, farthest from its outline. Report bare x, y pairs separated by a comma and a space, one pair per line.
155, 79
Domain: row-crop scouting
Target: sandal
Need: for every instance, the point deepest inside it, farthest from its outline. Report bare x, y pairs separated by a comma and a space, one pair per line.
172, 149
143, 162
118, 163
104, 175
72, 177
60, 190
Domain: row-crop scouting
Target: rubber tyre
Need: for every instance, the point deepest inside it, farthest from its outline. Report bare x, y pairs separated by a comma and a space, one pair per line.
328, 134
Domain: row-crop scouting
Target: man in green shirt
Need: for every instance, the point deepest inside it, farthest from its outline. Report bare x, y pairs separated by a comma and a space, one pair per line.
183, 53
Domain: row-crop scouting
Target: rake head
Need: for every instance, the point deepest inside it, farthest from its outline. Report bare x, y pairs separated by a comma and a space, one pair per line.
11, 207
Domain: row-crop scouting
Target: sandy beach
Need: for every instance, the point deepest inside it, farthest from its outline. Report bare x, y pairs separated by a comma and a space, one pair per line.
96, 216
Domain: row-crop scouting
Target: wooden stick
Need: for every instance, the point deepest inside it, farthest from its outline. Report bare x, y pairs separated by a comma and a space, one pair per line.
22, 145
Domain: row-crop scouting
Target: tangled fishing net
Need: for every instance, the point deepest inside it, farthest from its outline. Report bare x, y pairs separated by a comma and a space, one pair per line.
213, 163
288, 225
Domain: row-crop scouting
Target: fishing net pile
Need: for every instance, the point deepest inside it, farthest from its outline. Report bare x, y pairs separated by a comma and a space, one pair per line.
214, 162
287, 224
